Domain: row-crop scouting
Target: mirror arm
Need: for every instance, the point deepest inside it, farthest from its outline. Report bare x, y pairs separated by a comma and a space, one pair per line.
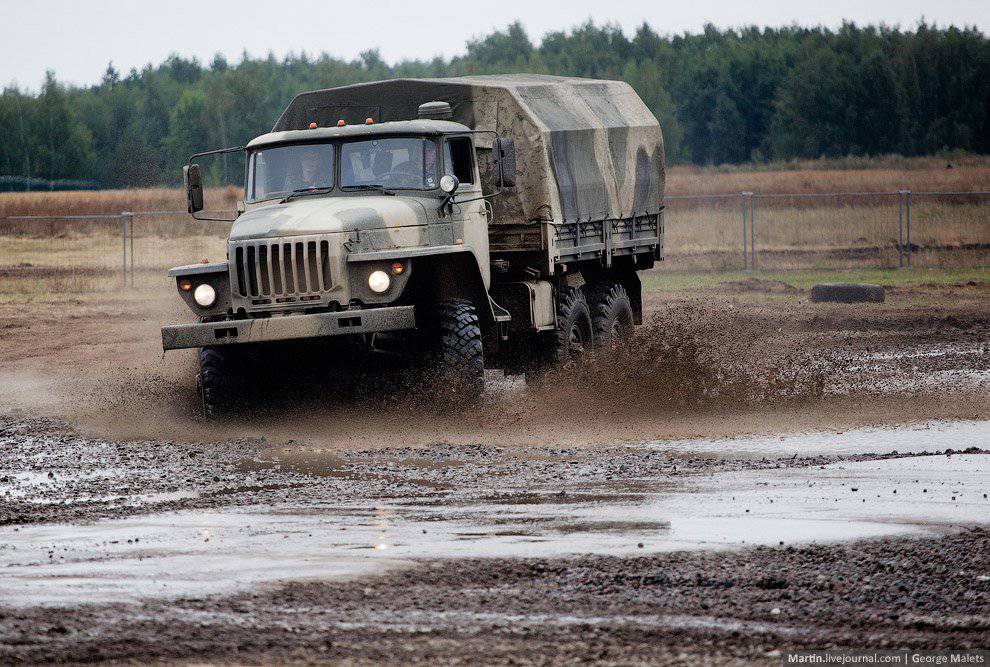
218, 151
468, 201
199, 217
449, 199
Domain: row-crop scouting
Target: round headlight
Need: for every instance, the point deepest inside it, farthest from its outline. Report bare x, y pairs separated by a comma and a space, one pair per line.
449, 183
379, 281
205, 296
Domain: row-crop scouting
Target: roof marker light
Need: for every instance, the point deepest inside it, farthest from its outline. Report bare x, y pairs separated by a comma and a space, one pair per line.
341, 123
368, 121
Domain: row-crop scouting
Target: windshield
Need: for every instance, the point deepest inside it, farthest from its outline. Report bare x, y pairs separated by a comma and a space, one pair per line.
399, 162
285, 169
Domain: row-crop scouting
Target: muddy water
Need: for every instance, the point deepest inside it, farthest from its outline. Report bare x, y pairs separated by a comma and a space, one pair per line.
924, 437
197, 553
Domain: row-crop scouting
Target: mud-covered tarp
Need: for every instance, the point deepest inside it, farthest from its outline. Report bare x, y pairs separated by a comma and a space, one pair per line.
587, 149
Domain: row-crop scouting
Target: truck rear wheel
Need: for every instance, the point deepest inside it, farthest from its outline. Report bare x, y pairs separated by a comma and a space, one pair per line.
461, 354
218, 379
611, 313
575, 333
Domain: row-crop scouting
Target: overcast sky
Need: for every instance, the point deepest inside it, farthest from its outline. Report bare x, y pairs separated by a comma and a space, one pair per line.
77, 38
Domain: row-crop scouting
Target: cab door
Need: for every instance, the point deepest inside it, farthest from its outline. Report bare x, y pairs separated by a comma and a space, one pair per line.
470, 218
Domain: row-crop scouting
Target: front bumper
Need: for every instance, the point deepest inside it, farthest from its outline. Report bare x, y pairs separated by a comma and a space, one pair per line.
288, 327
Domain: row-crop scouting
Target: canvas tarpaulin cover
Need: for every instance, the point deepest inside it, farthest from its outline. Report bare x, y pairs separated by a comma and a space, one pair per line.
587, 150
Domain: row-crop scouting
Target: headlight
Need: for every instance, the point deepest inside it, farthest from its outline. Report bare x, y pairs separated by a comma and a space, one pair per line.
205, 296
379, 281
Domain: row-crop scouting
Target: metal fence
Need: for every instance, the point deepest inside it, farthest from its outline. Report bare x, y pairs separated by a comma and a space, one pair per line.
96, 252
746, 230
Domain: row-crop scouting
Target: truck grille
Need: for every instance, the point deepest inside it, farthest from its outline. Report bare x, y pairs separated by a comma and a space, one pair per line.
282, 272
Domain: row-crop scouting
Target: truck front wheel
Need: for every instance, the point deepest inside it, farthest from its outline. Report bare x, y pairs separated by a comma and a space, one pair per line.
461, 353
219, 371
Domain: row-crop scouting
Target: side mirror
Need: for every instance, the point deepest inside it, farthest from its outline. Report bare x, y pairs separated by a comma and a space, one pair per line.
193, 178
504, 153
449, 184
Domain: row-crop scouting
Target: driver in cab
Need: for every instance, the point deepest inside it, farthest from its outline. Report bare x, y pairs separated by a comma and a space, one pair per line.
313, 171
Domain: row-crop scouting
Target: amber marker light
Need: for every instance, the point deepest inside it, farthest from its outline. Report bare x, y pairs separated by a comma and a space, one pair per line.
368, 121
398, 267
185, 284
312, 126
341, 123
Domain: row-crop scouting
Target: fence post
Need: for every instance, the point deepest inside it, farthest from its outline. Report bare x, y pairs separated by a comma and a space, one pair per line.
123, 249
900, 229
742, 206
907, 215
131, 216
752, 232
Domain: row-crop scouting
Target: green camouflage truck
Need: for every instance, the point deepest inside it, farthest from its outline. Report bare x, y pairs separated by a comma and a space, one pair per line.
486, 221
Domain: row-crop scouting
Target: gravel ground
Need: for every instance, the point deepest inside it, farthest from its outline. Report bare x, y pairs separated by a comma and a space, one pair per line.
682, 607
720, 608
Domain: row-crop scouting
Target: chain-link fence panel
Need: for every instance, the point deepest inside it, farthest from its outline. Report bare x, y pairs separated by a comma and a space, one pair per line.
53, 254
704, 232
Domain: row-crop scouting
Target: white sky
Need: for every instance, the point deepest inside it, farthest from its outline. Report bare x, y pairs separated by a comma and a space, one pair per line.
77, 38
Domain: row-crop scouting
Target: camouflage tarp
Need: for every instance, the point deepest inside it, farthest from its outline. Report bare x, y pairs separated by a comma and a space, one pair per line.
587, 150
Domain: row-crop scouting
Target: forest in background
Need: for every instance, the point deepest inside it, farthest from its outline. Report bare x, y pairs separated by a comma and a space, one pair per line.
722, 96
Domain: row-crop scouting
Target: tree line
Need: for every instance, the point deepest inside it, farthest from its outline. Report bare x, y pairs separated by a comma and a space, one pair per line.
722, 96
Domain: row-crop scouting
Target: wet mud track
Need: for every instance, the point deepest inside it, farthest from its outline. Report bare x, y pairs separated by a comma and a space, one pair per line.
660, 551
684, 607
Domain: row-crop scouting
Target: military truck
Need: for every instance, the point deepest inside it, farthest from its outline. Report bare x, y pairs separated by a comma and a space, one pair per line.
487, 221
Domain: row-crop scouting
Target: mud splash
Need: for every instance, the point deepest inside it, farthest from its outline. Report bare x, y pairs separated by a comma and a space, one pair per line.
692, 360
693, 357
710, 367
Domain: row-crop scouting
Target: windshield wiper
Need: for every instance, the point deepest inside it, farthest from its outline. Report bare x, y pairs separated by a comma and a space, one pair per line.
302, 192
369, 186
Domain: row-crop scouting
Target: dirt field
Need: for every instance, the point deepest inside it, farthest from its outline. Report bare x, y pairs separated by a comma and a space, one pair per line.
736, 494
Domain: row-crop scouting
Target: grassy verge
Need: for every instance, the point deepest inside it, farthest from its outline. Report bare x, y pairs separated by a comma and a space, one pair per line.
806, 279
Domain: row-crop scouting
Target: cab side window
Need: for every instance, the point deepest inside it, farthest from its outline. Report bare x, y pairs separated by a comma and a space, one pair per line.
458, 159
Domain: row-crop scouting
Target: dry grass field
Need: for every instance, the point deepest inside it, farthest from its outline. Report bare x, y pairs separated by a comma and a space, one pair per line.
811, 230
916, 174
81, 202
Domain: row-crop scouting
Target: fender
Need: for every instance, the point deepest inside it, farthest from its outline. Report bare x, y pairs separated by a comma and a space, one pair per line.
450, 265
215, 274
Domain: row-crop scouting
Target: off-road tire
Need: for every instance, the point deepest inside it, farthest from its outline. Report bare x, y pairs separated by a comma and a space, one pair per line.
574, 334
218, 380
461, 352
847, 293
612, 315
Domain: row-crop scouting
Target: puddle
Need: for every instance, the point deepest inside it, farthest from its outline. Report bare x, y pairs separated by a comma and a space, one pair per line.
193, 553
929, 351
40, 488
933, 436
